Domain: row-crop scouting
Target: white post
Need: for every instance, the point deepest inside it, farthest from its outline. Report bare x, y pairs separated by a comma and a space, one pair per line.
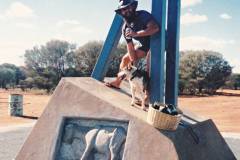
15, 107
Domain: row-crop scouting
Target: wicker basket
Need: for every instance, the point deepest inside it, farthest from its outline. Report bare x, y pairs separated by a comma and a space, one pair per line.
162, 120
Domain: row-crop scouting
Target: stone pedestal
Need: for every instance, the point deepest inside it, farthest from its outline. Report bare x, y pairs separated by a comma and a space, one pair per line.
86, 120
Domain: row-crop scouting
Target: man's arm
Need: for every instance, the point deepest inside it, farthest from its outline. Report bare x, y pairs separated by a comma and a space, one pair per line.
131, 51
130, 45
152, 28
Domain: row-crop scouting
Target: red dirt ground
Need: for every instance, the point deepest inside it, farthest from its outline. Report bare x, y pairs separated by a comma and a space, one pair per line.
34, 104
223, 109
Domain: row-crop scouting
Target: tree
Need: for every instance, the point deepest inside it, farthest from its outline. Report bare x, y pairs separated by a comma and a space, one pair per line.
87, 55
233, 82
55, 54
214, 70
7, 77
19, 73
203, 70
27, 83
47, 64
189, 62
237, 81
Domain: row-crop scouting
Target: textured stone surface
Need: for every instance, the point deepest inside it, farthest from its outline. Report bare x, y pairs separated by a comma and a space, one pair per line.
78, 147
66, 151
88, 138
201, 142
12, 139
68, 136
85, 97
119, 137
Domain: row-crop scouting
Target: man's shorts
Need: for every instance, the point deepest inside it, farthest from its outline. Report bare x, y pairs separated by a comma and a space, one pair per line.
144, 45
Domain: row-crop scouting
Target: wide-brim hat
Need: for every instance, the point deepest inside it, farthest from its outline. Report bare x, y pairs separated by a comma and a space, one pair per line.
124, 4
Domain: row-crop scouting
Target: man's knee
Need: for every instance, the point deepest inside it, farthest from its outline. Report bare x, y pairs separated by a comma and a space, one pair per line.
125, 61
126, 58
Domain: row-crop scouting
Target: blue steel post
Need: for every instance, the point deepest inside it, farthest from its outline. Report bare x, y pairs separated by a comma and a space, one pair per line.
110, 44
158, 53
172, 55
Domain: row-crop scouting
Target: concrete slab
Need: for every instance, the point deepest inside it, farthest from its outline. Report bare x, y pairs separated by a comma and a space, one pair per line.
12, 140
86, 97
200, 141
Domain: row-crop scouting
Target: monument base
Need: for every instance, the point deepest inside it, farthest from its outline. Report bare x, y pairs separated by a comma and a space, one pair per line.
87, 120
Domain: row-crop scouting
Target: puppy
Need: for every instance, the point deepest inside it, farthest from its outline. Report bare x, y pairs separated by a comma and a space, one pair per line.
139, 81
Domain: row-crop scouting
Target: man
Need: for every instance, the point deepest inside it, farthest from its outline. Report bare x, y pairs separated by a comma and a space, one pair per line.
138, 25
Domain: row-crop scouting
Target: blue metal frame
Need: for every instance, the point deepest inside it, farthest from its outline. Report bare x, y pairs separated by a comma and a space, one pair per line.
159, 91
110, 44
172, 54
158, 53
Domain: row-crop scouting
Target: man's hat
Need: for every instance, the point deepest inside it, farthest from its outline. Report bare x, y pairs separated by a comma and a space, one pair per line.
124, 4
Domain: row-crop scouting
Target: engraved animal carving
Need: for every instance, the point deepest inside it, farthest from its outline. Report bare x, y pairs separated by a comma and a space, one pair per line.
106, 145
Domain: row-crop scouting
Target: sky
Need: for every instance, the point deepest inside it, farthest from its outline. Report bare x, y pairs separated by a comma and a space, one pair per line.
205, 24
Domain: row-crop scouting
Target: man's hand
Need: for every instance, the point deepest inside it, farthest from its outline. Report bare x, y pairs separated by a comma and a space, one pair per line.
127, 38
131, 33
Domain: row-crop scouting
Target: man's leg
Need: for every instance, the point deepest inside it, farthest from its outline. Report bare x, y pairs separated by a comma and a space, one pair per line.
146, 97
148, 62
125, 61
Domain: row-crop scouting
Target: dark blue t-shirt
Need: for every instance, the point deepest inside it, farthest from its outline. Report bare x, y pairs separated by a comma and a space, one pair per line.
140, 23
